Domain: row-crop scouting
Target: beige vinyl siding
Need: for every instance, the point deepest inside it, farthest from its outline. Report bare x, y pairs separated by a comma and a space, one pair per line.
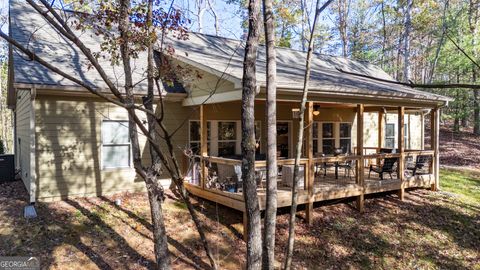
232, 111
416, 130
69, 147
414, 122
24, 138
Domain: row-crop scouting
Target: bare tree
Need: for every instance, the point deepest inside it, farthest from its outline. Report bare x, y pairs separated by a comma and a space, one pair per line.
299, 144
122, 11
271, 120
342, 9
249, 86
473, 18
406, 47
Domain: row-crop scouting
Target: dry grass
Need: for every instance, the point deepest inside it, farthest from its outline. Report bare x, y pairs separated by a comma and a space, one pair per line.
426, 231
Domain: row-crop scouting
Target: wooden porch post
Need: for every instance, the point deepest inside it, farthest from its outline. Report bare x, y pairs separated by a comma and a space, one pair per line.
361, 161
310, 165
422, 143
401, 147
381, 129
434, 142
203, 144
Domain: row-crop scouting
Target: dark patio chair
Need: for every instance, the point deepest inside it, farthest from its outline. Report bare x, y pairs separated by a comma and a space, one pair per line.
421, 162
387, 167
322, 165
349, 166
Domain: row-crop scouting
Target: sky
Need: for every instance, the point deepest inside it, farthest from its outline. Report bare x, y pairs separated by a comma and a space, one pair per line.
230, 22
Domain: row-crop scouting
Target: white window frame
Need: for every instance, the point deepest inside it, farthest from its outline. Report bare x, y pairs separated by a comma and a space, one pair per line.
406, 137
343, 138
390, 137
238, 134
103, 144
290, 137
214, 140
190, 141
336, 134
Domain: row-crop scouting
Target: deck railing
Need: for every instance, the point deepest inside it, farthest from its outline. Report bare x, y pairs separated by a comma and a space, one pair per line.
224, 174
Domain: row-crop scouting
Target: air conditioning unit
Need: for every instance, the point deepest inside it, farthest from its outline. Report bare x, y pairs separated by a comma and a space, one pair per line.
7, 168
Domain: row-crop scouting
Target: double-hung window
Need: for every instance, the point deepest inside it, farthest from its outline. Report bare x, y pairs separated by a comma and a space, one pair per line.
315, 137
390, 136
406, 143
328, 138
115, 144
194, 137
227, 138
345, 137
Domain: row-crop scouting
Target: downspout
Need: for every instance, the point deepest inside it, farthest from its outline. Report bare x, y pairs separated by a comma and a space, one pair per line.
33, 173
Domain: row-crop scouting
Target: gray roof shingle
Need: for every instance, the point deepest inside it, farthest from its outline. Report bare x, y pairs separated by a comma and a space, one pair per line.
226, 55
212, 52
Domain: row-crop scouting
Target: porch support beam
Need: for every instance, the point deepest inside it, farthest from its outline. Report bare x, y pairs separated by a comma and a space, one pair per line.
434, 142
401, 150
360, 165
381, 129
310, 170
203, 144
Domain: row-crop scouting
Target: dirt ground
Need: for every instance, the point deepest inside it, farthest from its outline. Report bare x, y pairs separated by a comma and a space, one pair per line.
426, 231
457, 149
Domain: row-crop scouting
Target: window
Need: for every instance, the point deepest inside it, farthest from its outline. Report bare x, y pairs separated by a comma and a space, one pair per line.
328, 139
406, 144
390, 136
345, 137
194, 137
227, 138
315, 137
115, 144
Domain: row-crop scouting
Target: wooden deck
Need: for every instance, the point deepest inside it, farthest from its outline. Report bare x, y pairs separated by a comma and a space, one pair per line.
323, 189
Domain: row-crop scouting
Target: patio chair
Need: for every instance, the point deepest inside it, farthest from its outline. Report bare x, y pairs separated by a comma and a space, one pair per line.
421, 162
322, 166
387, 167
349, 167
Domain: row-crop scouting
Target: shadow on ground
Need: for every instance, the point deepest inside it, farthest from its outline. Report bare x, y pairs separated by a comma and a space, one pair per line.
427, 230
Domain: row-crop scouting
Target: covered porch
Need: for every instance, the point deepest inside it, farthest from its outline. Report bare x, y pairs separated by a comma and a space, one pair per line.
349, 151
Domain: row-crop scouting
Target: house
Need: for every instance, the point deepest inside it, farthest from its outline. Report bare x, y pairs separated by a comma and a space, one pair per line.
71, 143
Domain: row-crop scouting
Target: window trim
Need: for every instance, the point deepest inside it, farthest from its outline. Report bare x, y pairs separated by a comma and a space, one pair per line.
390, 137
214, 140
102, 152
336, 134
237, 135
344, 138
190, 141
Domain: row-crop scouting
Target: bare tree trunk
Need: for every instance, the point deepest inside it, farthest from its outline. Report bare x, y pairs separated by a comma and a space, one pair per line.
271, 113
158, 226
249, 84
473, 16
343, 7
440, 43
215, 17
406, 48
155, 199
299, 144
384, 31
476, 107
200, 11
